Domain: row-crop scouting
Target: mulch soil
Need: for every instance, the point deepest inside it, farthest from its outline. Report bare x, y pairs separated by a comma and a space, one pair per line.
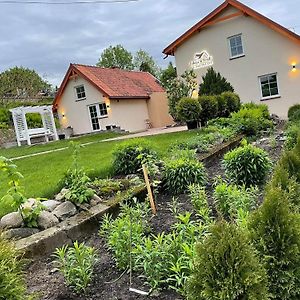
108, 282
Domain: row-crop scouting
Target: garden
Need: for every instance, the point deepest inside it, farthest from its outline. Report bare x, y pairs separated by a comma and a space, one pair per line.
225, 224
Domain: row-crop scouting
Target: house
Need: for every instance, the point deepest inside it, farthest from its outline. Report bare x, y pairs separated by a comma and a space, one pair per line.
92, 99
260, 58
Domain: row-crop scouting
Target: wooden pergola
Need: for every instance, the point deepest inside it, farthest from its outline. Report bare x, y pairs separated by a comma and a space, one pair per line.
23, 133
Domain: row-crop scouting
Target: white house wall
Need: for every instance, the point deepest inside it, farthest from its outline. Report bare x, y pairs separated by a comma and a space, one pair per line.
266, 52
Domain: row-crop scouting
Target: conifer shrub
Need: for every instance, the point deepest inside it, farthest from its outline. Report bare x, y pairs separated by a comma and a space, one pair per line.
179, 173
209, 105
226, 267
294, 112
292, 134
213, 83
128, 156
247, 165
12, 281
275, 232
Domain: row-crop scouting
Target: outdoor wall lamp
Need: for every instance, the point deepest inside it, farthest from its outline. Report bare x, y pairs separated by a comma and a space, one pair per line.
294, 68
63, 115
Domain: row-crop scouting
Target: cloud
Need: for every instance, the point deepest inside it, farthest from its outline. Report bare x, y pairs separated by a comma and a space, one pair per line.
47, 38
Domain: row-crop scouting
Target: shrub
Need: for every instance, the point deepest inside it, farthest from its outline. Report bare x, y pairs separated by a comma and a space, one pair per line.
294, 112
12, 281
251, 121
76, 264
125, 231
188, 110
226, 267
292, 134
231, 199
214, 84
179, 174
128, 156
247, 165
209, 105
232, 101
34, 120
275, 233
290, 161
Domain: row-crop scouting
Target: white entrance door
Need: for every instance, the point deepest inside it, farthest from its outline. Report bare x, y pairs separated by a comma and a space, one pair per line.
95, 114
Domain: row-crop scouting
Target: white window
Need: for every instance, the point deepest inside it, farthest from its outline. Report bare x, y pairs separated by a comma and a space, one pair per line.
236, 46
97, 112
269, 86
80, 92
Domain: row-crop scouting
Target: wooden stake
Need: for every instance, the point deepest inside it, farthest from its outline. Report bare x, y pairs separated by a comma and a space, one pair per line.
150, 194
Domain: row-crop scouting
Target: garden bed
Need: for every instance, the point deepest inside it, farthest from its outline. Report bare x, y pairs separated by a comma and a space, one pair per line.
109, 282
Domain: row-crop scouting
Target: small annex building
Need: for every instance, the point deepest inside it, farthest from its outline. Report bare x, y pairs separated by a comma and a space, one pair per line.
259, 57
92, 99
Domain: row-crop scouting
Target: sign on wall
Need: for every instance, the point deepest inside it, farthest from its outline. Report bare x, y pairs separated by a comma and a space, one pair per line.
202, 60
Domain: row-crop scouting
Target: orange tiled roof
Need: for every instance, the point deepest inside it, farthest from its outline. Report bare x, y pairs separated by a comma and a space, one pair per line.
114, 83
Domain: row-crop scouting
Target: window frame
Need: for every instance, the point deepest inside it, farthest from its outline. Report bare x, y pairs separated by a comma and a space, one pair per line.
230, 49
278, 95
76, 93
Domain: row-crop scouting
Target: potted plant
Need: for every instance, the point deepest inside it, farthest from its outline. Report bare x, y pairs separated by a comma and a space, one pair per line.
189, 110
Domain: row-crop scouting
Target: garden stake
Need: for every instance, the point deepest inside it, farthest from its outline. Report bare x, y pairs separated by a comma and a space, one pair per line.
131, 289
150, 194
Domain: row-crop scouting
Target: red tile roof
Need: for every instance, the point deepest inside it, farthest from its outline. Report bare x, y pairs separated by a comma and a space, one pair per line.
114, 83
247, 11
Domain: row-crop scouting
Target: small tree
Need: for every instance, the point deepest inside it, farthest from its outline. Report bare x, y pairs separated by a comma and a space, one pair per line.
167, 75
116, 56
275, 232
214, 83
144, 62
188, 110
179, 88
226, 267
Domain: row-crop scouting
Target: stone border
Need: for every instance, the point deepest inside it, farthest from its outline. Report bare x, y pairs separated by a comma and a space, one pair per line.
71, 229
78, 226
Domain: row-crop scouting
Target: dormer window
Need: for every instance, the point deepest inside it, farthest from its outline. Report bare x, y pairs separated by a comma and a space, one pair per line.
80, 93
236, 48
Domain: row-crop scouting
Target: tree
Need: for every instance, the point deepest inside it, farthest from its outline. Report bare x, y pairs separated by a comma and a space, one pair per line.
20, 82
143, 61
275, 233
116, 57
214, 83
226, 267
178, 88
168, 75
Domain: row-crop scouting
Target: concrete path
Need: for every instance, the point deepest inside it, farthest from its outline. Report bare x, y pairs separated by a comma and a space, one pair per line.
149, 132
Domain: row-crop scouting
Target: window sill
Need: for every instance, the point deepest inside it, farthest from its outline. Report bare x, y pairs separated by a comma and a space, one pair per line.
103, 117
78, 100
270, 98
236, 57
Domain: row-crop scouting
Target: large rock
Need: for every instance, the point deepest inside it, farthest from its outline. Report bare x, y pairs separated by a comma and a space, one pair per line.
47, 220
65, 210
50, 205
19, 233
12, 220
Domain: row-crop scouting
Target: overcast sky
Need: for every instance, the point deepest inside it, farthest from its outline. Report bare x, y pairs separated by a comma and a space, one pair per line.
48, 37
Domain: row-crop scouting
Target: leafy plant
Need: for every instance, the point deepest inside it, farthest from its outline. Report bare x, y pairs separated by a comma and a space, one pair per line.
180, 173
76, 180
188, 110
247, 165
213, 83
275, 233
128, 156
76, 264
31, 214
125, 231
12, 279
209, 105
226, 267
232, 200
294, 112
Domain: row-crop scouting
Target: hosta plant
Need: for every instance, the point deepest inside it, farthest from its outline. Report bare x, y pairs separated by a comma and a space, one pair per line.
76, 264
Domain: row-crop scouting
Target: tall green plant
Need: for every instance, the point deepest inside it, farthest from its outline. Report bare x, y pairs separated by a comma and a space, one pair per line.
275, 232
226, 267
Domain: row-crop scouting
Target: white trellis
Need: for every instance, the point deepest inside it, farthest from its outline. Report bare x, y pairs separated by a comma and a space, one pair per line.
23, 133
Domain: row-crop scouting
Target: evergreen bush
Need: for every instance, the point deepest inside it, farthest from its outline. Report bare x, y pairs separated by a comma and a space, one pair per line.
128, 156
213, 83
188, 110
232, 101
226, 267
294, 112
209, 105
275, 232
247, 165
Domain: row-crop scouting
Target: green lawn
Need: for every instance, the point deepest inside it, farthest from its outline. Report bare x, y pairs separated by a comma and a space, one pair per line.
42, 173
